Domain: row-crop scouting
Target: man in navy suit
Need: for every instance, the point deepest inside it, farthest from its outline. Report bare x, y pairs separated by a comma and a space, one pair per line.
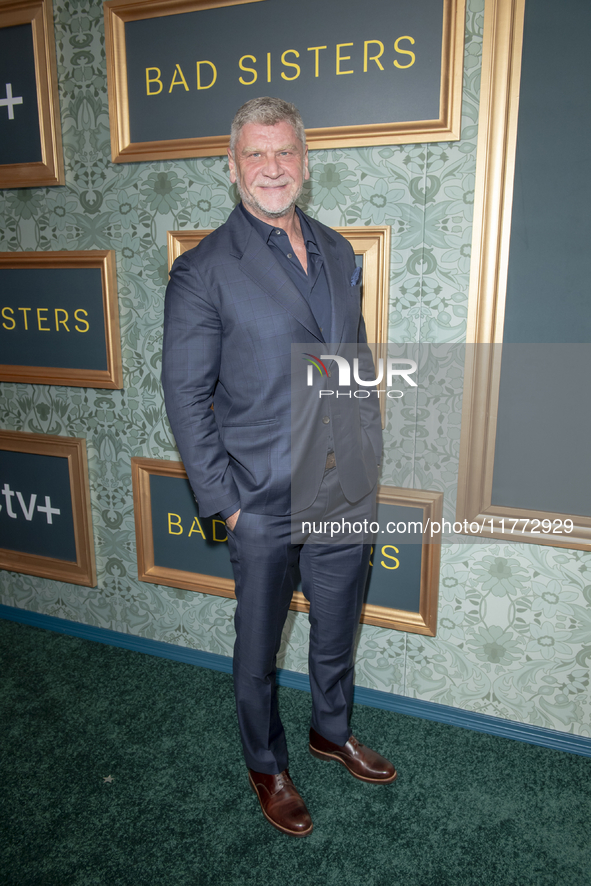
269, 278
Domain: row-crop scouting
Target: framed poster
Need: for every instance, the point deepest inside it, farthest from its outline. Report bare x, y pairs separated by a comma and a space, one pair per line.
526, 418
177, 548
370, 244
30, 127
45, 519
373, 73
59, 319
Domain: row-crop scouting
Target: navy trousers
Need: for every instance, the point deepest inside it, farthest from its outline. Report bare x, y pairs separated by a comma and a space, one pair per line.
265, 562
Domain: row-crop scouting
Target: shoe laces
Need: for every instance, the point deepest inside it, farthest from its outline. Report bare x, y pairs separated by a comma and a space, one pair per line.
283, 778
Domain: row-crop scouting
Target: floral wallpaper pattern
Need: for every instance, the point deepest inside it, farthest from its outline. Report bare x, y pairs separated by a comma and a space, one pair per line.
514, 636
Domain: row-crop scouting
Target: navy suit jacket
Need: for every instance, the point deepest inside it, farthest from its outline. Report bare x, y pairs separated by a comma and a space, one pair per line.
231, 317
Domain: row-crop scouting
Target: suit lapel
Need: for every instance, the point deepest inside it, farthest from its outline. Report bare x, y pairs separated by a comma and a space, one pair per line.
258, 263
335, 275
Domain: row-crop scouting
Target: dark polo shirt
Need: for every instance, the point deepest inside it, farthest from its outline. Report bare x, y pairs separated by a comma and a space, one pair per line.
313, 286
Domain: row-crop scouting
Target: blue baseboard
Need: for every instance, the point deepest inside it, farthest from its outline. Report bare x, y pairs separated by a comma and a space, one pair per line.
399, 704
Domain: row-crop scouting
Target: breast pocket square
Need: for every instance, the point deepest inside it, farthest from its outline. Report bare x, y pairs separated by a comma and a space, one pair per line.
356, 277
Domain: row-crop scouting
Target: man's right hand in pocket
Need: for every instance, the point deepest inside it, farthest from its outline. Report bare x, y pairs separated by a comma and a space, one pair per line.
231, 521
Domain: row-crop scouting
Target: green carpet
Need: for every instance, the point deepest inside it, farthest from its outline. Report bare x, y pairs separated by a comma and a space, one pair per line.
467, 809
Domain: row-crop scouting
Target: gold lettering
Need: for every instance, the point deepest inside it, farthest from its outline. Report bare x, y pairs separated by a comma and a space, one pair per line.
177, 523
404, 52
372, 58
290, 64
155, 79
390, 557
268, 67
250, 71
199, 530
59, 322
215, 538
343, 58
175, 82
81, 320
24, 310
316, 51
40, 318
215, 74
10, 319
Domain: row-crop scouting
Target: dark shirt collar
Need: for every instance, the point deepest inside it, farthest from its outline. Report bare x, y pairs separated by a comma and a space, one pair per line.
266, 230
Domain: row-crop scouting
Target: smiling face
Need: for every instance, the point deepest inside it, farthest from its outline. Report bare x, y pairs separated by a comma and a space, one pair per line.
269, 166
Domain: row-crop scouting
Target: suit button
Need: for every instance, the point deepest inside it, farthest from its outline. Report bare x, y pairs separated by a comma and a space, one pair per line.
325, 419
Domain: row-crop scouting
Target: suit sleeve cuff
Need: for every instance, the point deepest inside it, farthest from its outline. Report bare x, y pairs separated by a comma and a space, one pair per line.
227, 512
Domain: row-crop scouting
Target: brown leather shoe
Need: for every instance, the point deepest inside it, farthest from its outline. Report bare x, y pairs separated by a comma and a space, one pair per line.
281, 804
361, 761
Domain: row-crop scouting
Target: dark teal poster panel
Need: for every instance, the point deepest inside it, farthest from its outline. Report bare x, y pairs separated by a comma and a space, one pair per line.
395, 572
184, 541
342, 62
543, 429
544, 414
549, 274
52, 317
20, 139
36, 505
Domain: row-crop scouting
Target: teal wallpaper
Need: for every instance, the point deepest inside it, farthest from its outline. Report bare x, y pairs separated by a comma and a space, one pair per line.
514, 635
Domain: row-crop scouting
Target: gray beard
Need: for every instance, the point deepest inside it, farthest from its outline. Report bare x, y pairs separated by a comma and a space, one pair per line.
248, 200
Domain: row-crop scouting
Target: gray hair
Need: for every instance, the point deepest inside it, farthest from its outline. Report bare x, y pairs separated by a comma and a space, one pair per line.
266, 111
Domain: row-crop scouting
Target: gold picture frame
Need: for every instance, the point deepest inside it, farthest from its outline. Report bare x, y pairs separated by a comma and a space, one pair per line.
50, 171
112, 377
495, 173
83, 570
141, 470
424, 621
117, 12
